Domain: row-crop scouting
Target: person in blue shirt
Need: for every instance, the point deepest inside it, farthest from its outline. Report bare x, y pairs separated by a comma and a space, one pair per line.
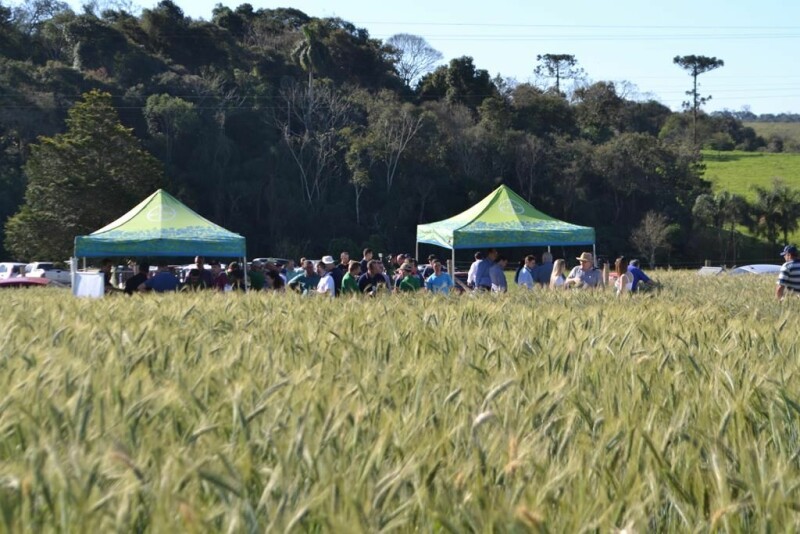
498, 276
638, 274
483, 279
544, 270
428, 270
439, 281
163, 280
527, 274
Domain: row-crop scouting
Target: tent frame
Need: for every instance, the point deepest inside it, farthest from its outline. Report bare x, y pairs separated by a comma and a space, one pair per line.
73, 270
453, 253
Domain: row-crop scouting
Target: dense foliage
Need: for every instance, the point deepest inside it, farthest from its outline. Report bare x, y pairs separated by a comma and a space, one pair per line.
543, 412
306, 136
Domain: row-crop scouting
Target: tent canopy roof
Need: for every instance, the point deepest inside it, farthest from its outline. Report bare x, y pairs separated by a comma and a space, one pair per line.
503, 219
161, 225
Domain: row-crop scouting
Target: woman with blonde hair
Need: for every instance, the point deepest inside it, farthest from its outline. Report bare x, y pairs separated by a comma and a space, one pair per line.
624, 281
557, 277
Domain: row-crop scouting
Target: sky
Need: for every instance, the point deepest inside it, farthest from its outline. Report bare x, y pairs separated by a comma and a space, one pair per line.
631, 41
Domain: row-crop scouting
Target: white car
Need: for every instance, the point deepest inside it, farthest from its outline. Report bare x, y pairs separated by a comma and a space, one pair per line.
10, 269
47, 269
759, 268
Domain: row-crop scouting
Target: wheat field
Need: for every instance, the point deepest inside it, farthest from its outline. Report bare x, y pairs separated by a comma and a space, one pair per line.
674, 411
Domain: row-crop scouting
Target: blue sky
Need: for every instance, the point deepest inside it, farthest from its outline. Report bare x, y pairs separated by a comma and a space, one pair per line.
627, 40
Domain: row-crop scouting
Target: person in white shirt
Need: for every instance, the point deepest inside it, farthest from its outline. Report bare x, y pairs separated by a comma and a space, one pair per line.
557, 278
326, 284
473, 270
624, 281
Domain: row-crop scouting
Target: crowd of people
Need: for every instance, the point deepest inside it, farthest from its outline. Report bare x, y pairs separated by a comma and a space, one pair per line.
370, 276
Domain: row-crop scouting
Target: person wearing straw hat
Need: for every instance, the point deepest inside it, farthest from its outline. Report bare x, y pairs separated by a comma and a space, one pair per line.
585, 275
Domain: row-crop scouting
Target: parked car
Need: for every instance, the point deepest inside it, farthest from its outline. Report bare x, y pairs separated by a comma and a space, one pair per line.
280, 262
10, 269
49, 270
759, 268
22, 281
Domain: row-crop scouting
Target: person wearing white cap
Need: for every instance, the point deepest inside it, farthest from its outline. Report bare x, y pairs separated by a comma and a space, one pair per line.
585, 275
327, 284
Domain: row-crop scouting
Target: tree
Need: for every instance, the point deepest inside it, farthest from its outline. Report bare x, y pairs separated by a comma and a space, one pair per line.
459, 82
540, 113
530, 165
169, 117
776, 210
392, 126
32, 14
651, 236
558, 66
598, 110
635, 169
357, 160
80, 180
414, 56
695, 66
311, 53
720, 211
311, 122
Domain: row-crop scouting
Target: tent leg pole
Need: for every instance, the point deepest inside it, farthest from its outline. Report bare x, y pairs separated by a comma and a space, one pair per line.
84, 264
548, 248
453, 259
244, 270
416, 251
594, 253
73, 271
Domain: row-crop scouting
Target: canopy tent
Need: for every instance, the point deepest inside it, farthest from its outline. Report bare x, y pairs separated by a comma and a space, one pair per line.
502, 219
160, 225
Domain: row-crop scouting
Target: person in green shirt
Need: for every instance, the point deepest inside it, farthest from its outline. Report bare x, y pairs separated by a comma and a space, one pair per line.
409, 283
256, 276
306, 282
350, 280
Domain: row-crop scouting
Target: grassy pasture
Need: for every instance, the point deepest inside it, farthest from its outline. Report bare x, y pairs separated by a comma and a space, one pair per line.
738, 171
544, 411
789, 131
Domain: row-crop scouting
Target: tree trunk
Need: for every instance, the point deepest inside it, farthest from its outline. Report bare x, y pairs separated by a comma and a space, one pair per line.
358, 190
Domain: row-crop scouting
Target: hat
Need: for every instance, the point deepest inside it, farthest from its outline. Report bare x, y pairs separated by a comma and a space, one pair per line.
256, 263
789, 249
586, 256
407, 267
328, 260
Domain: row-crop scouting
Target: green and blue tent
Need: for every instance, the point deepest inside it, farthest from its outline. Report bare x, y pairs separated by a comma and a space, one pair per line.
161, 225
503, 219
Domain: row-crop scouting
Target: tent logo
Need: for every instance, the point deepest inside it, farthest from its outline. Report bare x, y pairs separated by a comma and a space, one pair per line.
161, 213
511, 206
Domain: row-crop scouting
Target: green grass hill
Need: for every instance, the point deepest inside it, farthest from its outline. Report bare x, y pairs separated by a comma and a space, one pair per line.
738, 172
